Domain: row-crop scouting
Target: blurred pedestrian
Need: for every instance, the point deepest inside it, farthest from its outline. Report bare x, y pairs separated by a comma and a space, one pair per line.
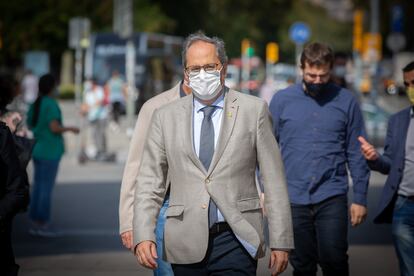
13, 186
317, 124
397, 201
45, 120
339, 69
209, 144
116, 89
95, 107
29, 87
267, 90
126, 202
14, 114
14, 120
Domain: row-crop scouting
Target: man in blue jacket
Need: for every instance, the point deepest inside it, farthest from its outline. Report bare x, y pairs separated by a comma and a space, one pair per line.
397, 200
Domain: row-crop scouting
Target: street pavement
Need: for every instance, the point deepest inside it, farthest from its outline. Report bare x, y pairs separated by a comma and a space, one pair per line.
85, 210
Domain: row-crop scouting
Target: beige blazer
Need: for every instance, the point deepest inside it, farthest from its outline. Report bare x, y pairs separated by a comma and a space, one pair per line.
126, 199
245, 140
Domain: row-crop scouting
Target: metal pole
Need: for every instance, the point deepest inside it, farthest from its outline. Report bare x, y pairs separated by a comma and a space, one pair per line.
78, 76
374, 28
245, 73
130, 76
269, 67
78, 102
298, 52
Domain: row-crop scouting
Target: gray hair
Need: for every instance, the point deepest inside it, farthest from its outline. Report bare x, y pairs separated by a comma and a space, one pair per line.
200, 36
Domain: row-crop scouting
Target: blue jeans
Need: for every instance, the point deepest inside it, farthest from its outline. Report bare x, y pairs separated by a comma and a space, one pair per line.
320, 234
45, 172
403, 234
164, 268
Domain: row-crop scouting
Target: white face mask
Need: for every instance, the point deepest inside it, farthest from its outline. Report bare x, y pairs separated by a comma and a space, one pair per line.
206, 86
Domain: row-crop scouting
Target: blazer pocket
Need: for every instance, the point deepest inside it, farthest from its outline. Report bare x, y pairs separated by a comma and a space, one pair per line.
248, 204
174, 211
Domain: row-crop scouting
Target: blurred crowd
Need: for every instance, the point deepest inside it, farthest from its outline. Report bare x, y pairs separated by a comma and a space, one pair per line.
32, 127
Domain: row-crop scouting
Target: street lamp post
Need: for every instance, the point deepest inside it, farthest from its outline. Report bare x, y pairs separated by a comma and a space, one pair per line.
374, 29
79, 32
123, 26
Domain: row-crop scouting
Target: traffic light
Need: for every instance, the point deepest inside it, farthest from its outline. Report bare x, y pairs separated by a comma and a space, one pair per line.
372, 47
358, 31
272, 52
246, 48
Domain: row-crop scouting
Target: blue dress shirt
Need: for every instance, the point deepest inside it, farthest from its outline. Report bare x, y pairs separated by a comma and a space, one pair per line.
318, 138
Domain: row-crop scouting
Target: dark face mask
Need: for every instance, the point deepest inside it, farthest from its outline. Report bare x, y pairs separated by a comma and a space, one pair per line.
315, 89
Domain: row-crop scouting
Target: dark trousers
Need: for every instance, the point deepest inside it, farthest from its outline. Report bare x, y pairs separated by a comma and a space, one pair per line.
116, 111
8, 267
225, 256
320, 234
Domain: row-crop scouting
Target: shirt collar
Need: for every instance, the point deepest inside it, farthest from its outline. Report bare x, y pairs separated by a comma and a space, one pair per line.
219, 102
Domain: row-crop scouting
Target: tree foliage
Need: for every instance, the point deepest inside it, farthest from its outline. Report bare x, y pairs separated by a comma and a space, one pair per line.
43, 24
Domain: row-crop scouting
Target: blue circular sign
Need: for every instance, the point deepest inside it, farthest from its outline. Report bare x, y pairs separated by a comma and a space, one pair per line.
299, 32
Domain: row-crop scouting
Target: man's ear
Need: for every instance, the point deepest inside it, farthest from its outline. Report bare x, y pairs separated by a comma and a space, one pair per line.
185, 78
223, 73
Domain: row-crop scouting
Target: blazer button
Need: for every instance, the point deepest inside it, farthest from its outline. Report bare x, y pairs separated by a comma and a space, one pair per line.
204, 206
207, 180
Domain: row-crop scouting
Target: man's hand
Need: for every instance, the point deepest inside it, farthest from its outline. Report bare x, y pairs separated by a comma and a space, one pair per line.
12, 119
367, 149
146, 253
358, 214
278, 261
127, 239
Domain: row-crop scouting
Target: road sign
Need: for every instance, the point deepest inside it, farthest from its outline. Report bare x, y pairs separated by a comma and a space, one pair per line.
397, 18
299, 32
396, 42
272, 52
79, 31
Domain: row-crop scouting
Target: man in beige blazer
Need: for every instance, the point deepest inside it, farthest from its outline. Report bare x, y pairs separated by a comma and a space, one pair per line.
195, 242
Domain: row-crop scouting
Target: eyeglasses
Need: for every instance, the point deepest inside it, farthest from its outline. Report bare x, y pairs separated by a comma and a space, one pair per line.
195, 69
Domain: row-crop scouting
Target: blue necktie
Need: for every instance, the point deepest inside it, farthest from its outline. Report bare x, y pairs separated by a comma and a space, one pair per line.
207, 151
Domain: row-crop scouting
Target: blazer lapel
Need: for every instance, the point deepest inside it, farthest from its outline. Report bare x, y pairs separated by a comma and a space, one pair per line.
405, 122
228, 119
187, 121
